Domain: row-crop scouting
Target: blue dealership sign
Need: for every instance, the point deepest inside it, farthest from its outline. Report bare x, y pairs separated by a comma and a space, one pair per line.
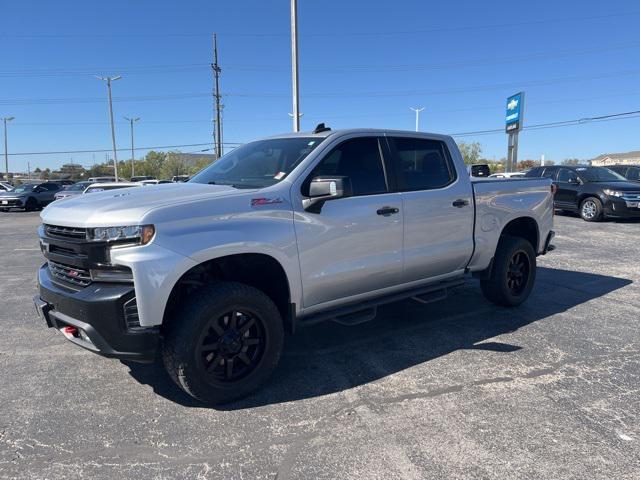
515, 112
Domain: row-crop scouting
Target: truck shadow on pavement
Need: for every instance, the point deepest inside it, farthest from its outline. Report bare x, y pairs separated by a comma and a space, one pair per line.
329, 357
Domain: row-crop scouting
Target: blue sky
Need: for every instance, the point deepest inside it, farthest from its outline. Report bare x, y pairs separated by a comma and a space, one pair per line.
363, 64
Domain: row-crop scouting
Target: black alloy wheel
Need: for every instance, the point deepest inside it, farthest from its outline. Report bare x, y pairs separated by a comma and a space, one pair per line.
232, 345
513, 272
518, 272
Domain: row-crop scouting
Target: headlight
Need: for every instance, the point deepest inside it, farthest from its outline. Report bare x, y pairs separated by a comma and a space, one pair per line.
613, 193
140, 234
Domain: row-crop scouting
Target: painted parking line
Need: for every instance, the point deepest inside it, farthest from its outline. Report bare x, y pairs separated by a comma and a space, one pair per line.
26, 249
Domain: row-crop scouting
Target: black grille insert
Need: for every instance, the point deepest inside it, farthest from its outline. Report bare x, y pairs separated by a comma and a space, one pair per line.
55, 231
72, 275
131, 314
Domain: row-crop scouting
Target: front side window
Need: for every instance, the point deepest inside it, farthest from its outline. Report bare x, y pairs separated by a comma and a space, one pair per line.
360, 160
633, 174
566, 175
258, 164
423, 164
599, 174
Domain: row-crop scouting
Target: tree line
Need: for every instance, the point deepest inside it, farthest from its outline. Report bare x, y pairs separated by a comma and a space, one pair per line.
161, 165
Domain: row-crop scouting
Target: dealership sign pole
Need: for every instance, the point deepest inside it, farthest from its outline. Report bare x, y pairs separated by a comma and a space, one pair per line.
514, 120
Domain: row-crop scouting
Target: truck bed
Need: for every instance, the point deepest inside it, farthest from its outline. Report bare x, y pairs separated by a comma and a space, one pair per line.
497, 202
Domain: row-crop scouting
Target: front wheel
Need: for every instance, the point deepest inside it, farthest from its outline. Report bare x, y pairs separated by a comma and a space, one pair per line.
225, 343
513, 273
591, 209
31, 205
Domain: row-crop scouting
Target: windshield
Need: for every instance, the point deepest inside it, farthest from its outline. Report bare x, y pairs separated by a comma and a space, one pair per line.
258, 164
599, 174
23, 188
77, 187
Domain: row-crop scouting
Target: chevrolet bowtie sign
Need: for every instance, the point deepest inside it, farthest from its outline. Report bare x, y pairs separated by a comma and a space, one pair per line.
515, 111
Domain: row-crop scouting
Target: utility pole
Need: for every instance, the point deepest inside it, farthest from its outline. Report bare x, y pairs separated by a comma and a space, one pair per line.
133, 158
294, 65
113, 130
6, 151
216, 95
29, 169
417, 110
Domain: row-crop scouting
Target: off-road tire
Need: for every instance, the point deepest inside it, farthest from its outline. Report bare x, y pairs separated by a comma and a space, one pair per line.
184, 333
500, 288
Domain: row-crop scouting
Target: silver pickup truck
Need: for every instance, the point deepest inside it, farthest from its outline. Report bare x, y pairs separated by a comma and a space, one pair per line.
278, 234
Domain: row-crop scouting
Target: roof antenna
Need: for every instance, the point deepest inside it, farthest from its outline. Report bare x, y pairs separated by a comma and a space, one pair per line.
321, 128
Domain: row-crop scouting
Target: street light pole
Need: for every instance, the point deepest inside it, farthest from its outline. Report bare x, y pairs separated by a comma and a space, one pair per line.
113, 130
417, 110
131, 121
294, 65
6, 151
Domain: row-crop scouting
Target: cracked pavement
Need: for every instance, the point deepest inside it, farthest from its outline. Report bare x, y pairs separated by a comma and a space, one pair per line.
455, 389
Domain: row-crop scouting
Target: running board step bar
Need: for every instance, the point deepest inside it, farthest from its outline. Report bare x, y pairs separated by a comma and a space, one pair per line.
366, 310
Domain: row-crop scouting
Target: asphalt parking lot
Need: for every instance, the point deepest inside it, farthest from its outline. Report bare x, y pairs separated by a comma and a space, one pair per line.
455, 389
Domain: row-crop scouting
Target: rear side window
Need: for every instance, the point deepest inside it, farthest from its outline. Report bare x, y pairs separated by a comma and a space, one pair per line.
360, 160
549, 173
534, 172
422, 164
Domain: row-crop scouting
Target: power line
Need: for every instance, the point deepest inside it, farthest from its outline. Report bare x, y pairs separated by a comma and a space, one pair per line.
343, 33
156, 147
364, 68
562, 123
449, 91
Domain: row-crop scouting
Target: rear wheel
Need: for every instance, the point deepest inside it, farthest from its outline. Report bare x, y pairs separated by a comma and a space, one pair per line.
513, 273
591, 209
225, 343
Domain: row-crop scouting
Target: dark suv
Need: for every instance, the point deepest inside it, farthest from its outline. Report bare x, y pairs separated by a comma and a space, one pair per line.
30, 196
593, 192
630, 172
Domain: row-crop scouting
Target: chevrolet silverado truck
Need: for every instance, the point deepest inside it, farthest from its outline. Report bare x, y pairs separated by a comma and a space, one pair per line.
278, 234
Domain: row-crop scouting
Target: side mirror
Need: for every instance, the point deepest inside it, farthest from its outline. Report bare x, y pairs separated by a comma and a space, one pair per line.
324, 188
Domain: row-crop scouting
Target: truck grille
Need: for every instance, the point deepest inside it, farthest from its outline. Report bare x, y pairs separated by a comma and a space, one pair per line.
55, 231
72, 275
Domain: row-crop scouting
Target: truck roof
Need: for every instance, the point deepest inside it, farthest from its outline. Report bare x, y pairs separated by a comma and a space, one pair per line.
348, 131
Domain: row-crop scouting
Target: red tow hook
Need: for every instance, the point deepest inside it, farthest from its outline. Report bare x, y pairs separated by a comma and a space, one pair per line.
69, 332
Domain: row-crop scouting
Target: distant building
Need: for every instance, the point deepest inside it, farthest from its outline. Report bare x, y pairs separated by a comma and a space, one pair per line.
628, 158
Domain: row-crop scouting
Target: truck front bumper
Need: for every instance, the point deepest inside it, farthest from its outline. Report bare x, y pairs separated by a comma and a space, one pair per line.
94, 318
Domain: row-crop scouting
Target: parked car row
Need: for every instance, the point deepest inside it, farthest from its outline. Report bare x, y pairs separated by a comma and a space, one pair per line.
33, 196
593, 192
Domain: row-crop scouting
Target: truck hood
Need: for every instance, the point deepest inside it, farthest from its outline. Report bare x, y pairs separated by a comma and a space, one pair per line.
127, 206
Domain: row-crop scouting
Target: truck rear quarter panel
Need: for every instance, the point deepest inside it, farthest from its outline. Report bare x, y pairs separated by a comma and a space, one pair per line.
498, 202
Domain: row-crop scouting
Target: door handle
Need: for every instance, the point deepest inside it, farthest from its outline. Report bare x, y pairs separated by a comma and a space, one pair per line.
387, 211
460, 203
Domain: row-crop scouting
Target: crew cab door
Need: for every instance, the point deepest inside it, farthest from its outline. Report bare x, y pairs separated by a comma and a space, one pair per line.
352, 245
437, 208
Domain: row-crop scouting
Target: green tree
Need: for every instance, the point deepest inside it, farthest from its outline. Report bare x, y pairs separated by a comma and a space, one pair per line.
173, 165
526, 164
199, 164
470, 152
152, 164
